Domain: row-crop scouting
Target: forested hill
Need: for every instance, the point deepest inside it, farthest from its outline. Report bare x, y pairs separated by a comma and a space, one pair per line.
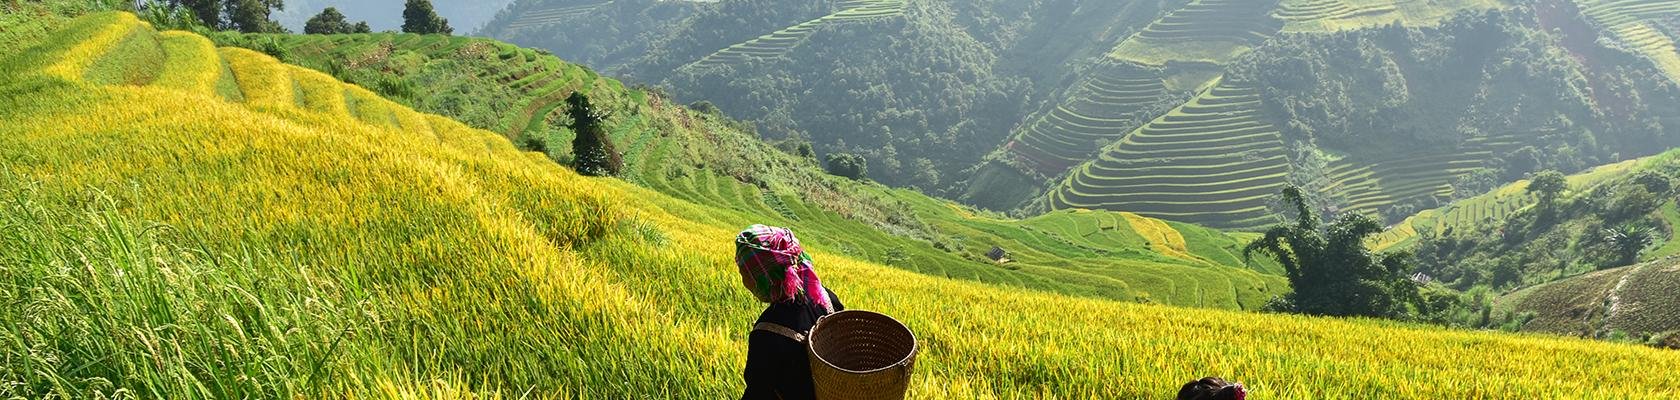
922, 89
1386, 106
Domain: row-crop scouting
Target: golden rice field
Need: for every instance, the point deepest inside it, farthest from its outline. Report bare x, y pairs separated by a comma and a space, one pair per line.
162, 241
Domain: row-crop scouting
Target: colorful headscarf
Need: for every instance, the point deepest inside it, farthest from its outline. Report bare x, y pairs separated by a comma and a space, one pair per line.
775, 267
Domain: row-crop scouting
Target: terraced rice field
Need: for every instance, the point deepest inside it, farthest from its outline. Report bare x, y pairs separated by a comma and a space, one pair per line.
1367, 187
1214, 161
1100, 111
774, 44
1317, 10
542, 81
1214, 31
1646, 26
551, 16
170, 244
1334, 15
1471, 214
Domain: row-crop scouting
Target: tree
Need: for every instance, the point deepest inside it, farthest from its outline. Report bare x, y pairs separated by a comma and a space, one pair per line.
1330, 268
1627, 242
848, 165
594, 152
418, 17
1548, 185
209, 12
330, 21
252, 16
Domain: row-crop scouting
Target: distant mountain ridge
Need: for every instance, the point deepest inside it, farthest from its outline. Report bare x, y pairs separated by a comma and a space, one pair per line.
1043, 105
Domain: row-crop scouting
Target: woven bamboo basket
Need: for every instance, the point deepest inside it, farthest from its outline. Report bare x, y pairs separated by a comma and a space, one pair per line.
861, 355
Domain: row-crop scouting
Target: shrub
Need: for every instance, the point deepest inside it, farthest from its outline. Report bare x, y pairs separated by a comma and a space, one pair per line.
848, 165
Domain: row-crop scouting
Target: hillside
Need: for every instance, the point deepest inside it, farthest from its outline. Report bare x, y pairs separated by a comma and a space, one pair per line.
907, 84
1634, 303
1381, 121
1387, 107
204, 222
1092, 254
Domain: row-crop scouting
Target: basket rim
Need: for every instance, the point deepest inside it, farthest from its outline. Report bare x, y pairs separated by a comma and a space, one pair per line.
810, 345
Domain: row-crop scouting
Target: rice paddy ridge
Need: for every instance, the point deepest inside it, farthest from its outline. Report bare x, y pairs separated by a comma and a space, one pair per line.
775, 44
1045, 253
540, 81
1098, 112
1366, 186
1206, 31
659, 143
553, 15
303, 254
1335, 15
1213, 161
1647, 26
1481, 211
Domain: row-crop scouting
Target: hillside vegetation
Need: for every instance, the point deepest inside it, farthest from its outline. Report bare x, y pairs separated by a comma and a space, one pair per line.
291, 236
705, 158
1633, 303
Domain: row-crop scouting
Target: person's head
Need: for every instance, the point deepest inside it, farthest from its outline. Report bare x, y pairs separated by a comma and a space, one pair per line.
1212, 388
775, 268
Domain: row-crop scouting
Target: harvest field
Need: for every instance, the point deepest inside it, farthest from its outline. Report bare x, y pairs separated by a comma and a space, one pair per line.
313, 241
702, 158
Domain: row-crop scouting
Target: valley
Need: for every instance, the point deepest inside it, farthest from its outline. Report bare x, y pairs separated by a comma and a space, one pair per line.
1074, 203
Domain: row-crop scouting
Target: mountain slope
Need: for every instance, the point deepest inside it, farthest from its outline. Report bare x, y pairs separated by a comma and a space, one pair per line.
1636, 301
1089, 254
324, 243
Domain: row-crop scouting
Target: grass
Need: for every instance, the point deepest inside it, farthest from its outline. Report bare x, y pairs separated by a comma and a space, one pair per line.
744, 181
173, 244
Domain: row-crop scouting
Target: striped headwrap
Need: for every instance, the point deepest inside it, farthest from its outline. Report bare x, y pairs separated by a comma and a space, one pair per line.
775, 267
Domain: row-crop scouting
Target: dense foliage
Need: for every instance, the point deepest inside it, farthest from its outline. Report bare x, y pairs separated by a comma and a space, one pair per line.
418, 17
593, 151
249, 16
1330, 268
1391, 90
330, 21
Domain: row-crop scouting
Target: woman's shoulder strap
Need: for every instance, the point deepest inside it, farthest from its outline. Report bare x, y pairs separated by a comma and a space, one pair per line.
780, 330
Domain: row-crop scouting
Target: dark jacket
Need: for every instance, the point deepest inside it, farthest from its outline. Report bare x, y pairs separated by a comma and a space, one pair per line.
777, 367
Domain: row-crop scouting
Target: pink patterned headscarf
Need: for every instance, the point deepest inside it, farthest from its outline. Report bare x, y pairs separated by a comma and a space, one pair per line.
775, 268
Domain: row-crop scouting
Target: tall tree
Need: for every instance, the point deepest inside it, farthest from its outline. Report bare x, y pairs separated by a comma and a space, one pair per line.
594, 152
418, 17
1627, 242
1548, 185
252, 16
1331, 270
209, 12
330, 21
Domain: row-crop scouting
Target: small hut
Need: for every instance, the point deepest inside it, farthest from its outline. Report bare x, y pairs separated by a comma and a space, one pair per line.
997, 254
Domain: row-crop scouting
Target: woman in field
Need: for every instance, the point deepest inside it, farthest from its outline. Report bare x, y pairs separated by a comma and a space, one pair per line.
777, 271
1212, 388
